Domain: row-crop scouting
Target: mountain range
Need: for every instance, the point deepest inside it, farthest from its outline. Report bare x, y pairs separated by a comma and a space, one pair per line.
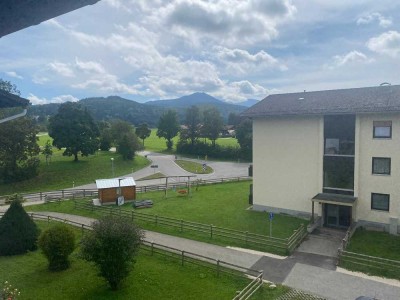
114, 107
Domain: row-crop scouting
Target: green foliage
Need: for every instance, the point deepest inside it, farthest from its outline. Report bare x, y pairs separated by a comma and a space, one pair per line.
18, 233
168, 127
193, 167
192, 121
57, 243
212, 124
8, 292
202, 149
244, 135
234, 119
105, 136
143, 132
18, 150
125, 139
14, 197
73, 128
9, 87
112, 246
48, 151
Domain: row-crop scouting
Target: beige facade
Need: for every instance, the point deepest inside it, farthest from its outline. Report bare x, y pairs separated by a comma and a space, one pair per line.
287, 169
288, 156
368, 182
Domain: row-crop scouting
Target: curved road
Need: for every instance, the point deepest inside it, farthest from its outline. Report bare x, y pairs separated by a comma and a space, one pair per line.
168, 167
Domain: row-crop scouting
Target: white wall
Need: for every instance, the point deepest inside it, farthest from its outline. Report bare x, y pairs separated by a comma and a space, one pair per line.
369, 183
287, 162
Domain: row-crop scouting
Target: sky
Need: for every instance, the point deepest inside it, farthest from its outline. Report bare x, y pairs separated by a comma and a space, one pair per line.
231, 49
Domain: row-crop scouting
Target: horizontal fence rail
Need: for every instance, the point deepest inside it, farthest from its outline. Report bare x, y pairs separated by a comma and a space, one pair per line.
86, 193
208, 230
183, 256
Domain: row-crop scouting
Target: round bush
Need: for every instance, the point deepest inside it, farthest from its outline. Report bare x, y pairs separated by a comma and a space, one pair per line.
57, 243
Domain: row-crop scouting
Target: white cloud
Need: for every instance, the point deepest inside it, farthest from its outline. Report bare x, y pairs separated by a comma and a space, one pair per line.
352, 58
14, 74
239, 91
35, 100
61, 68
231, 22
369, 18
387, 43
243, 62
39, 79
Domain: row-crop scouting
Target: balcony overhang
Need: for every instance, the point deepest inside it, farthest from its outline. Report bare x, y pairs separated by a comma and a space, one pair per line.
337, 199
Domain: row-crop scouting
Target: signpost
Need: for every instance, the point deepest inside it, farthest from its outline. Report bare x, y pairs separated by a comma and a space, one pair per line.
154, 167
271, 216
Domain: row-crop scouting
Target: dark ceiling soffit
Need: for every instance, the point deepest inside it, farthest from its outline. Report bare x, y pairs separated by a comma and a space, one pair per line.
11, 100
19, 14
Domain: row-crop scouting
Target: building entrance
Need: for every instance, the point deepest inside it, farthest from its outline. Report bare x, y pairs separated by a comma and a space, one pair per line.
338, 216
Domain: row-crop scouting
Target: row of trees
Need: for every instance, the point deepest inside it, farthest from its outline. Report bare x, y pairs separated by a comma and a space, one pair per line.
208, 125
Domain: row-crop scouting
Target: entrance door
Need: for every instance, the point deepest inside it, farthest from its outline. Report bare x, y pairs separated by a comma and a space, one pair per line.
337, 215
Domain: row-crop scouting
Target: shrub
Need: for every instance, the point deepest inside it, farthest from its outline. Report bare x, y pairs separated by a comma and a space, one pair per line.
112, 246
8, 292
13, 197
57, 243
18, 233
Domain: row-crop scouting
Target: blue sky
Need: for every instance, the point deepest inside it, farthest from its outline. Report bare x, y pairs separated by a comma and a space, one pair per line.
231, 49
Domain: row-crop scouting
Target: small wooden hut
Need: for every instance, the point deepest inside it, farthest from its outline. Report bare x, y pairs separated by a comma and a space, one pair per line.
110, 189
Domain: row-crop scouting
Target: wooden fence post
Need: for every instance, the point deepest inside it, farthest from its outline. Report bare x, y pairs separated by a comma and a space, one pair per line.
152, 248
247, 234
132, 215
218, 267
181, 225
211, 230
156, 219
183, 257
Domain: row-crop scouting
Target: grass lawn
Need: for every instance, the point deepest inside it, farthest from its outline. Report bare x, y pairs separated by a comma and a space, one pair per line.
372, 243
152, 176
63, 172
224, 205
153, 277
193, 167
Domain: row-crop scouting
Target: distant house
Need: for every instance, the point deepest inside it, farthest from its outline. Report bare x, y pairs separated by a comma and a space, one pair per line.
330, 155
228, 131
110, 189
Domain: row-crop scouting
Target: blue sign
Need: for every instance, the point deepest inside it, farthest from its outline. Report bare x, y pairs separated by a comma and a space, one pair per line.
271, 215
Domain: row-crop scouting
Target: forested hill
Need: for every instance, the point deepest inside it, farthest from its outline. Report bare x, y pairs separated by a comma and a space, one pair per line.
202, 100
114, 107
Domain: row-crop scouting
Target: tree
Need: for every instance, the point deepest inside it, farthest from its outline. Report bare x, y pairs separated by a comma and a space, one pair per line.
125, 139
168, 127
192, 121
244, 135
112, 246
18, 150
143, 132
73, 128
234, 119
57, 243
18, 233
48, 151
105, 135
9, 87
212, 125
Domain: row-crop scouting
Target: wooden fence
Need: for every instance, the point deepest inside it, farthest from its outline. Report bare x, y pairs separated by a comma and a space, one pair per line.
183, 257
366, 263
86, 193
282, 245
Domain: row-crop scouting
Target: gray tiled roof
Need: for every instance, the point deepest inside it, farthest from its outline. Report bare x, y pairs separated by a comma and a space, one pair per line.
347, 101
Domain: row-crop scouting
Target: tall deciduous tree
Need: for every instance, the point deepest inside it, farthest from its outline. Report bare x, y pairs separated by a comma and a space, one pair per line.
192, 121
212, 124
168, 127
19, 150
48, 151
74, 129
244, 135
125, 139
9, 87
143, 132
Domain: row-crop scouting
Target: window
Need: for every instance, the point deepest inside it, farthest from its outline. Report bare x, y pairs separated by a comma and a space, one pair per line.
381, 165
383, 129
380, 201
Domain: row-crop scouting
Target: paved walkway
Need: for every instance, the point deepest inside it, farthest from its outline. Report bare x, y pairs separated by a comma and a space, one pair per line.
310, 272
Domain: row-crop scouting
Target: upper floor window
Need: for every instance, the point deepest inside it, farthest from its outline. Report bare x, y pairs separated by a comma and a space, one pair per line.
381, 165
380, 201
382, 129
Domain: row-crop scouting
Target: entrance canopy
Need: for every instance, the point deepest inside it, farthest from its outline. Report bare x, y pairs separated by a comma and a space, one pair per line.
328, 198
